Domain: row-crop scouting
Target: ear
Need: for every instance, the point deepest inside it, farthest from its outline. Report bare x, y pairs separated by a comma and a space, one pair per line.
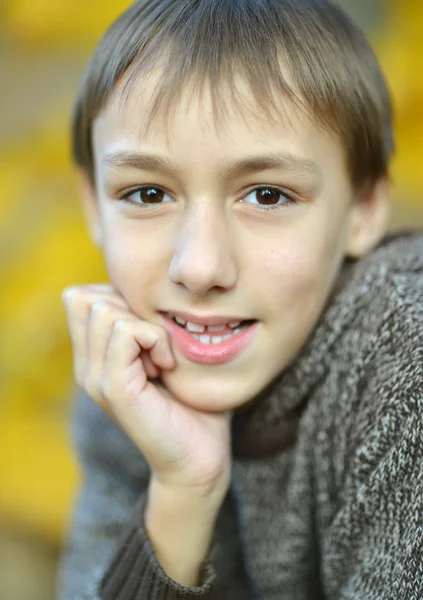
90, 207
369, 218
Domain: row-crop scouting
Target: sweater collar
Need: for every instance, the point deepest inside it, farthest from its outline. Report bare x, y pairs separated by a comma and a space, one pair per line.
270, 423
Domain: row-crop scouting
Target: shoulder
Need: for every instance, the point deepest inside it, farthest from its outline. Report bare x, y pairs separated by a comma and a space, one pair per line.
399, 263
370, 451
386, 287
374, 394
395, 271
396, 265
400, 250
390, 327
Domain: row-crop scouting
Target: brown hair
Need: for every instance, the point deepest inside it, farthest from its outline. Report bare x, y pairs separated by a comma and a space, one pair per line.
336, 78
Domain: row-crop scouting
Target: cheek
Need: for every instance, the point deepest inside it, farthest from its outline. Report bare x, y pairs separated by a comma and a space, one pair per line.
289, 280
286, 268
296, 275
134, 266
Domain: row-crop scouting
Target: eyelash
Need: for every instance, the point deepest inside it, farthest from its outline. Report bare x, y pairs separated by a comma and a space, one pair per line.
289, 199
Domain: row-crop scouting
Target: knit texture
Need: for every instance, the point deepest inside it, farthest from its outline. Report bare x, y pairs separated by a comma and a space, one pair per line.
326, 496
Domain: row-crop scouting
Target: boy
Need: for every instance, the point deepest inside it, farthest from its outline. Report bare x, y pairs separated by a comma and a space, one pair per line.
253, 372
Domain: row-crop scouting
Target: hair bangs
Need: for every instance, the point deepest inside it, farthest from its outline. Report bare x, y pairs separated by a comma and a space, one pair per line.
306, 52
213, 51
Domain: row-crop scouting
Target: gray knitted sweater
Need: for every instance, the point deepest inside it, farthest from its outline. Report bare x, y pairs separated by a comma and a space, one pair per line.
326, 497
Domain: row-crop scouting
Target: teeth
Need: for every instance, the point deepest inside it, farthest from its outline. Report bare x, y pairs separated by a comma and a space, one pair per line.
195, 327
215, 339
216, 328
179, 320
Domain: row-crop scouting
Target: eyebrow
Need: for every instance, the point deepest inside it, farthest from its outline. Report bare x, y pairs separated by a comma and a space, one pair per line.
155, 163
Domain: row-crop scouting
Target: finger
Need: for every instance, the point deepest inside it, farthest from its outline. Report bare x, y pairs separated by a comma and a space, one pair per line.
77, 312
77, 302
123, 366
150, 368
154, 338
107, 291
104, 313
161, 352
103, 288
101, 321
95, 291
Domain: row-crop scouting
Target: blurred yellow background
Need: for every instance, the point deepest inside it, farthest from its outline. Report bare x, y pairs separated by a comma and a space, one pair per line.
44, 247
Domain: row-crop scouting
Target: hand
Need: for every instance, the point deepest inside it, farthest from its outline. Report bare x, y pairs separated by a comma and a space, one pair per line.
116, 358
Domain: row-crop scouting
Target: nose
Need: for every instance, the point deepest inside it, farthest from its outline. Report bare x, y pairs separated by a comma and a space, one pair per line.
203, 255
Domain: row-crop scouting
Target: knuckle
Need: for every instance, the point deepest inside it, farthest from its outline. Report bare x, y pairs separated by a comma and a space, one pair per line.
122, 326
100, 308
74, 301
67, 295
71, 292
68, 291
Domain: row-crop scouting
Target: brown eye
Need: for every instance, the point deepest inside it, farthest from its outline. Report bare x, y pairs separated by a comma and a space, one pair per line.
151, 195
269, 198
146, 196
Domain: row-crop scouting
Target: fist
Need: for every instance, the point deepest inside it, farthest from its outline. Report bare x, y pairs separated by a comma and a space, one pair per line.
118, 359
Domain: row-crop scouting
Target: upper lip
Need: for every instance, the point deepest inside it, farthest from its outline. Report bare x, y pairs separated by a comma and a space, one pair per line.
206, 319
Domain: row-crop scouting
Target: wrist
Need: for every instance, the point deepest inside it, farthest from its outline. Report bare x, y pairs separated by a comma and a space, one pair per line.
180, 527
202, 496
183, 502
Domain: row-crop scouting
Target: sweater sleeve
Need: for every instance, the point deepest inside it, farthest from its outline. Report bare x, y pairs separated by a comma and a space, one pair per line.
373, 548
107, 554
135, 573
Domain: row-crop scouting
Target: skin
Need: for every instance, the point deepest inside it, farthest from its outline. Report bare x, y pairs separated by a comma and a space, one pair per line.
207, 249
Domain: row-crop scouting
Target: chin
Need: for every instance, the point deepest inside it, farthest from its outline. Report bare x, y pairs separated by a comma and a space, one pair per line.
204, 393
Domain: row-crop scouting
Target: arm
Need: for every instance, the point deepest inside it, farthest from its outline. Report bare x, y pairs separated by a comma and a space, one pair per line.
107, 546
164, 555
181, 530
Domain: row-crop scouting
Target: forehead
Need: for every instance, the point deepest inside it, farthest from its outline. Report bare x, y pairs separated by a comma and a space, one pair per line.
236, 124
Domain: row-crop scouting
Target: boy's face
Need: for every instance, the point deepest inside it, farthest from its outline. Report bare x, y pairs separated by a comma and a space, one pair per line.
200, 249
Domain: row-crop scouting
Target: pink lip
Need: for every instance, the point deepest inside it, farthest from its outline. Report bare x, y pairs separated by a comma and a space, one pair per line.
209, 354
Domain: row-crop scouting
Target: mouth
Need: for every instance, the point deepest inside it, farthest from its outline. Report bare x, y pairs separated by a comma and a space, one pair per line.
210, 344
211, 334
